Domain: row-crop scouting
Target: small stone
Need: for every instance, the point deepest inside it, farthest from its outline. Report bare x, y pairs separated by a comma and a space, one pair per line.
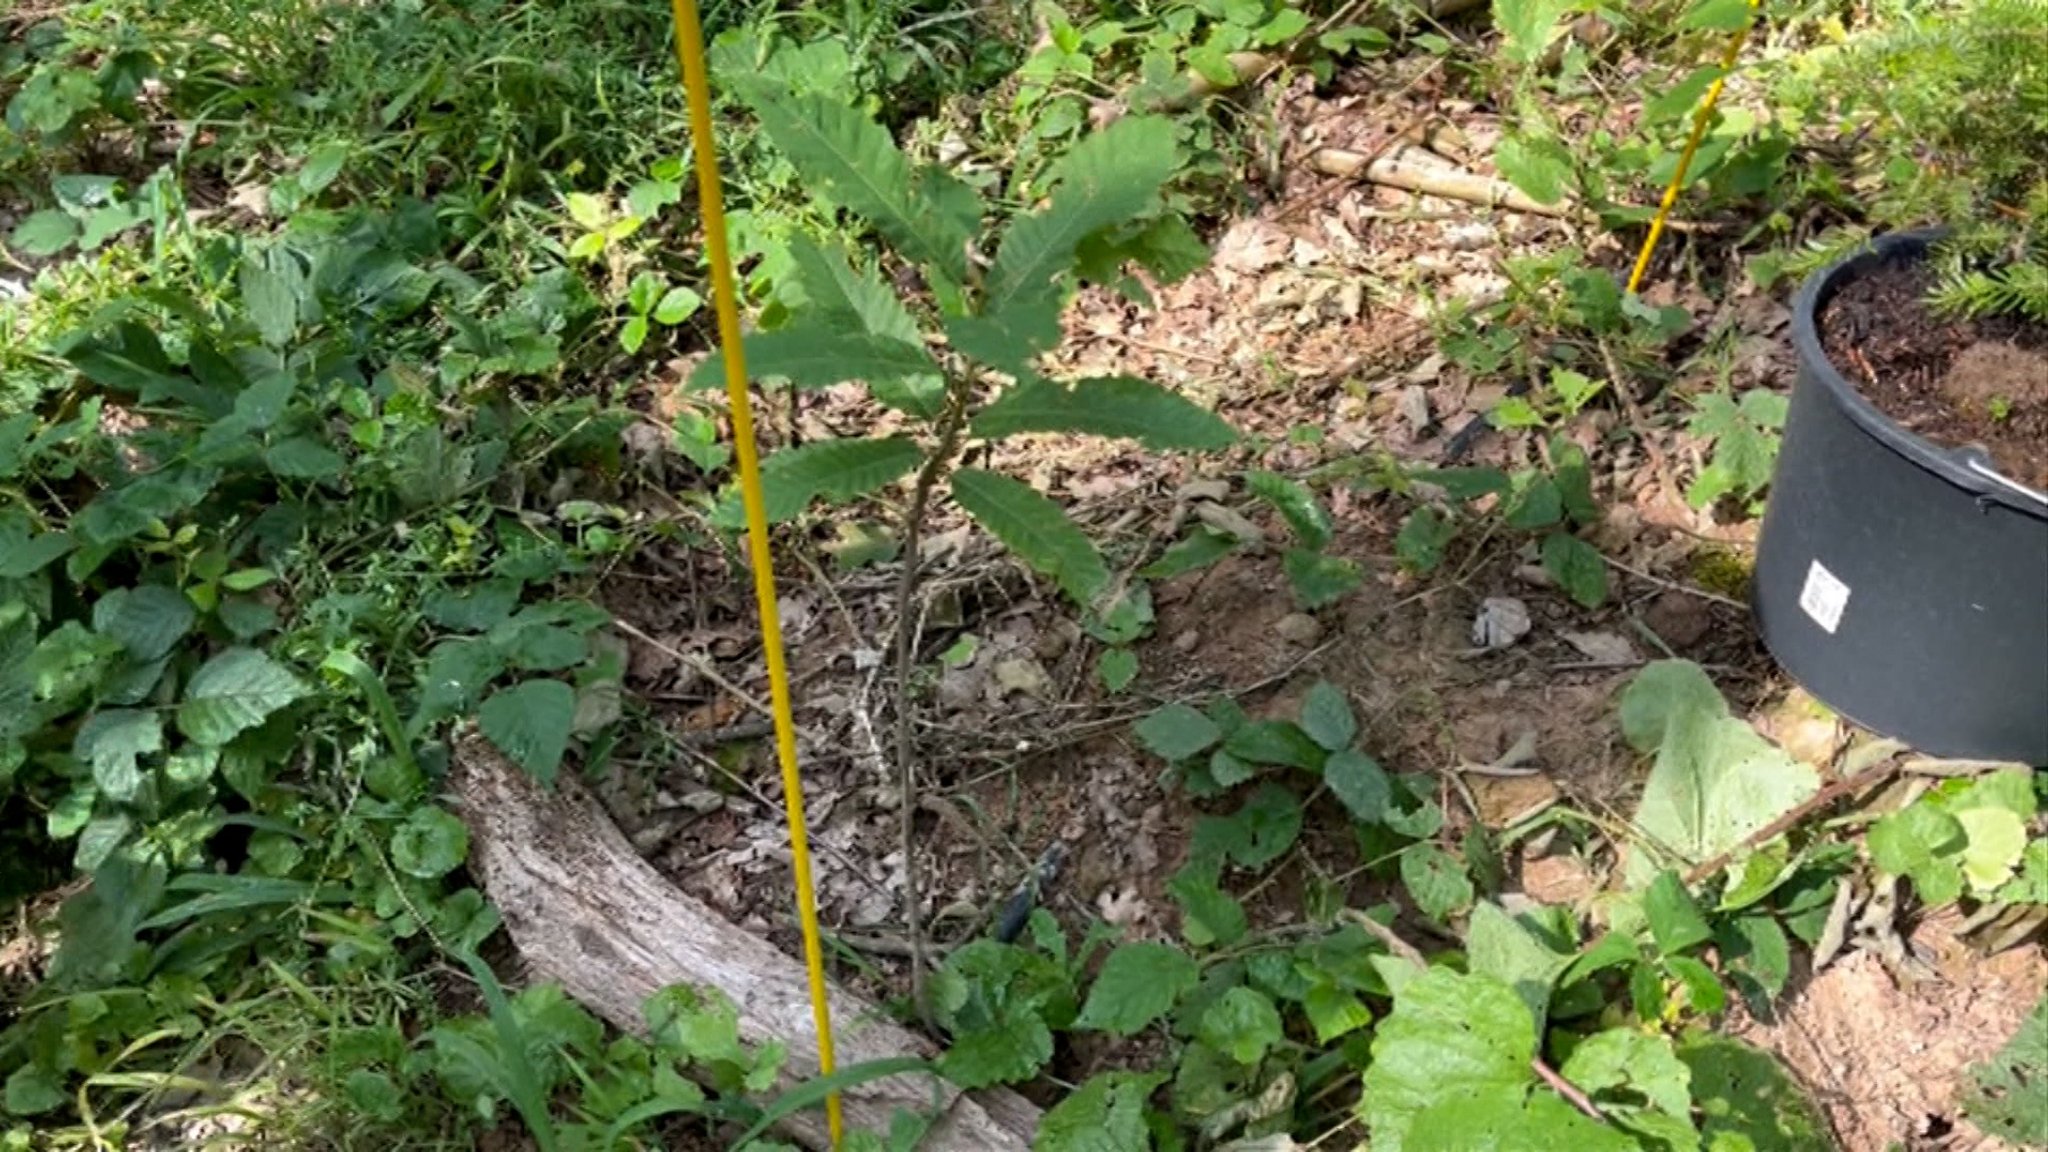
1187, 641
1468, 236
1681, 620
1602, 647
1501, 621
1299, 628
702, 801
1413, 407
1022, 674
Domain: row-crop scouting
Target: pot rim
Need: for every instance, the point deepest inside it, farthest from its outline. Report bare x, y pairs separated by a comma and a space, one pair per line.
1968, 466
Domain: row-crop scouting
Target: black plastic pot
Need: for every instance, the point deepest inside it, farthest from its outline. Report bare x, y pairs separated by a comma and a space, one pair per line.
1903, 583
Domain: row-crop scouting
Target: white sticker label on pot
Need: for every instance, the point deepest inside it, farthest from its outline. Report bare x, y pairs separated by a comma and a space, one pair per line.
1824, 597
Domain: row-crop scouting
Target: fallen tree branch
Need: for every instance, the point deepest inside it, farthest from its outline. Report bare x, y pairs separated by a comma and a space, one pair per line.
589, 914
1445, 182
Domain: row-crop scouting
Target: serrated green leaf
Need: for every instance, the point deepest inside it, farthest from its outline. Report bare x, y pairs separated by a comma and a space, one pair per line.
1318, 580
430, 844
43, 233
478, 608
322, 165
111, 741
233, 692
1014, 1048
1540, 505
1538, 165
813, 357
1528, 26
1360, 784
1500, 947
1114, 406
147, 620
1334, 1012
1717, 15
2031, 885
1116, 668
1537, 1123
1467, 484
1420, 543
1715, 780
834, 292
1450, 1038
1242, 1024
1176, 732
32, 1090
1996, 839
1326, 716
1275, 742
22, 554
98, 840
836, 470
850, 158
1197, 550
530, 724
1295, 503
1703, 991
1263, 828
1107, 1114
1032, 526
303, 458
1010, 339
1756, 947
1139, 983
1209, 915
1906, 842
1680, 99
1742, 1092
1675, 920
1435, 880
1106, 178
2003, 1096
1642, 1063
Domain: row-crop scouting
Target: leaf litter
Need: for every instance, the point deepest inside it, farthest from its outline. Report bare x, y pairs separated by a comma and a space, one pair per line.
1314, 314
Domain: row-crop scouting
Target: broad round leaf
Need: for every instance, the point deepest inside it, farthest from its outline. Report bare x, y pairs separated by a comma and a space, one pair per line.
1139, 984
530, 723
430, 844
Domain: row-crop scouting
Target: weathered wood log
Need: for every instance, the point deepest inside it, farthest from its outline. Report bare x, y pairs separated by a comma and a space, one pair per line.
589, 914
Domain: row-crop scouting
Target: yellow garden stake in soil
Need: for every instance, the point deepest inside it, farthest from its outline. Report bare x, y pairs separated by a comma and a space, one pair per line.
1700, 120
725, 299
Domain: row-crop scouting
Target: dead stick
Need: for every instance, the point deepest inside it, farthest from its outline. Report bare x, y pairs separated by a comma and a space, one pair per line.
1568, 1090
1457, 184
1386, 936
950, 425
1778, 827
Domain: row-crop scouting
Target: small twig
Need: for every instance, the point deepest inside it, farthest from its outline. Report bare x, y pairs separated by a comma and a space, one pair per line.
1675, 586
1566, 1089
951, 423
700, 663
1819, 800
1922, 766
1386, 936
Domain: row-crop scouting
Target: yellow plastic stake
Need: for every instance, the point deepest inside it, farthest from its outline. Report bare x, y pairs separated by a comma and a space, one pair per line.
1700, 120
725, 299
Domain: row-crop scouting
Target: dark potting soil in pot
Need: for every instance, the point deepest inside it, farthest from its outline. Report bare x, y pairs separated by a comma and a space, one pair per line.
1954, 382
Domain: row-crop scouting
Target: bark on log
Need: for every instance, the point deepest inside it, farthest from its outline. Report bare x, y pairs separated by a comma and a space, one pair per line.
588, 913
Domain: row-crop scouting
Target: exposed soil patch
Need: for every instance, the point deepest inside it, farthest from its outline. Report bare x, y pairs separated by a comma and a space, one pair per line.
1954, 382
1887, 1061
